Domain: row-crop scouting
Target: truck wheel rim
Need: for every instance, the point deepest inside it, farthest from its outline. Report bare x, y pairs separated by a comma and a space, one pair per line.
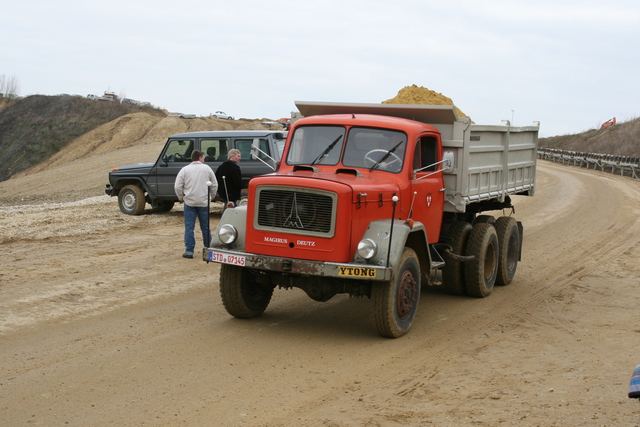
407, 293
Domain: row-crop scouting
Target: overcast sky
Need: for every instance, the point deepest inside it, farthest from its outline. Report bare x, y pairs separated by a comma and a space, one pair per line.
569, 64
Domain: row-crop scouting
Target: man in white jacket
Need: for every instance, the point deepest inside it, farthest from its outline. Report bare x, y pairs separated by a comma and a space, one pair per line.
191, 188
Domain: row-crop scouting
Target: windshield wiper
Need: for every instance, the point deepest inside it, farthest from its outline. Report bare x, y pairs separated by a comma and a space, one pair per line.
385, 156
326, 151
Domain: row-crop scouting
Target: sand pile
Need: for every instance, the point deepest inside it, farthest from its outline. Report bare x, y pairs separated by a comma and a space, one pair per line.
421, 95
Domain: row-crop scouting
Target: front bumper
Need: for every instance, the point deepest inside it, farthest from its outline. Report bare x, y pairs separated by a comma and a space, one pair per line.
108, 190
300, 267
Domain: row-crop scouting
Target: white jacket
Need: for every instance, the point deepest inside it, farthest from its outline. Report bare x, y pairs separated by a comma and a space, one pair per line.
191, 184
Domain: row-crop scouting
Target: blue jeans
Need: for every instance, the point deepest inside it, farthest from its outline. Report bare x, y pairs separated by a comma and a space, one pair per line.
190, 214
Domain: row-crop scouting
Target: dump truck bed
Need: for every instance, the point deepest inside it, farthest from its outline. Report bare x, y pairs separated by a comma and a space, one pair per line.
490, 162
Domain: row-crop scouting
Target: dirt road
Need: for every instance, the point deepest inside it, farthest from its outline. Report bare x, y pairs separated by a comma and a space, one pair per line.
103, 323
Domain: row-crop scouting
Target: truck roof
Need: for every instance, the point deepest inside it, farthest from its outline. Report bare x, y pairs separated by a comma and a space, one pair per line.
432, 114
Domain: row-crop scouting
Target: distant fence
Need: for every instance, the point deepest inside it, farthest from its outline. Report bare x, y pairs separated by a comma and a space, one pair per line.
623, 165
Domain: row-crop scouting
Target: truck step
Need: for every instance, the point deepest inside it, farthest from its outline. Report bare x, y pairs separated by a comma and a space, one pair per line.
437, 262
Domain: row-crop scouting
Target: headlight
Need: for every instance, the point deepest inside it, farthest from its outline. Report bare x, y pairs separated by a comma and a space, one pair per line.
227, 234
367, 248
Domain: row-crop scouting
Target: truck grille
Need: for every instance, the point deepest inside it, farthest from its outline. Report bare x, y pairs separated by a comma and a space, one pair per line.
298, 210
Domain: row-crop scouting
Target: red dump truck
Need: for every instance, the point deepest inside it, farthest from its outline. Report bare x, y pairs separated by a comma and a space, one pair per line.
376, 201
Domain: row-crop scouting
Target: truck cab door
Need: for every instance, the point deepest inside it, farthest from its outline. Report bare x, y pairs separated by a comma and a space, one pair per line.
428, 184
175, 156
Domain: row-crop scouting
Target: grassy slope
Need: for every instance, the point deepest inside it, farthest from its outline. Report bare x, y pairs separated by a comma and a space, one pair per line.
34, 128
622, 139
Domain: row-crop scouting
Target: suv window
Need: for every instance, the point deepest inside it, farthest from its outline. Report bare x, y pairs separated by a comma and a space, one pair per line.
178, 150
215, 150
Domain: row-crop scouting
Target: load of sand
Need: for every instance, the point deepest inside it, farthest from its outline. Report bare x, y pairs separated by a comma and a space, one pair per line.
421, 95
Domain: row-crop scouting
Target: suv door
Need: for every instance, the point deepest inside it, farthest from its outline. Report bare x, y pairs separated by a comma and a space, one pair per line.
175, 156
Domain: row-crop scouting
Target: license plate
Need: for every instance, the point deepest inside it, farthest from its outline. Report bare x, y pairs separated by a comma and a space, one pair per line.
227, 258
357, 272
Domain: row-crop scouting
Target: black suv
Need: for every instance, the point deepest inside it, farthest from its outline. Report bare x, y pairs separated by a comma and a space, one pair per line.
153, 183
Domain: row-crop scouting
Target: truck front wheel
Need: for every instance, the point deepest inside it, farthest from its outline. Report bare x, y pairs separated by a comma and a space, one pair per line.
131, 200
396, 302
242, 296
480, 274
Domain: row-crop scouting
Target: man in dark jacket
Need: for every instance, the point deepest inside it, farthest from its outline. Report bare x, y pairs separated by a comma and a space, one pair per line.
230, 178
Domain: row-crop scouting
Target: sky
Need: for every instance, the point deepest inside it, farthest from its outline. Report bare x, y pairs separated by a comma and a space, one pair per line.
571, 65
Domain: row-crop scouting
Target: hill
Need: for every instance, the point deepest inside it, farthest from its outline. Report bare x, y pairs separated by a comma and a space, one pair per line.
34, 128
622, 139
65, 167
40, 132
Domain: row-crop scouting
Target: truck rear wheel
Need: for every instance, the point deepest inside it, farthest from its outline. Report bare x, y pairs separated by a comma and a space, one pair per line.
396, 302
490, 219
242, 296
453, 270
131, 200
480, 274
509, 239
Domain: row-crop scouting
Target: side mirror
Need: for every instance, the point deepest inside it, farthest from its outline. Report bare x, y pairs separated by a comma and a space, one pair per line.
256, 151
448, 164
255, 148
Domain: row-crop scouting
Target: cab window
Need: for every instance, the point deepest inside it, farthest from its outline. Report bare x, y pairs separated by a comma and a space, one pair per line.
426, 154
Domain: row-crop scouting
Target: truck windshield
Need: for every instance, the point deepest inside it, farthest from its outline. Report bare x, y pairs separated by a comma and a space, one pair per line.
319, 145
379, 149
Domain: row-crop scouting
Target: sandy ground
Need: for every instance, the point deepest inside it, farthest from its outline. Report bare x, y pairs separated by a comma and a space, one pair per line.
103, 323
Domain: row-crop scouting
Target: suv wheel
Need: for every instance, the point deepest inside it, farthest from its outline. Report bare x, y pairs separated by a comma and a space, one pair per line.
131, 200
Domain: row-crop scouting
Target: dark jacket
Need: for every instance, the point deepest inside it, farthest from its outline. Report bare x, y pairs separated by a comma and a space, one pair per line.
233, 178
